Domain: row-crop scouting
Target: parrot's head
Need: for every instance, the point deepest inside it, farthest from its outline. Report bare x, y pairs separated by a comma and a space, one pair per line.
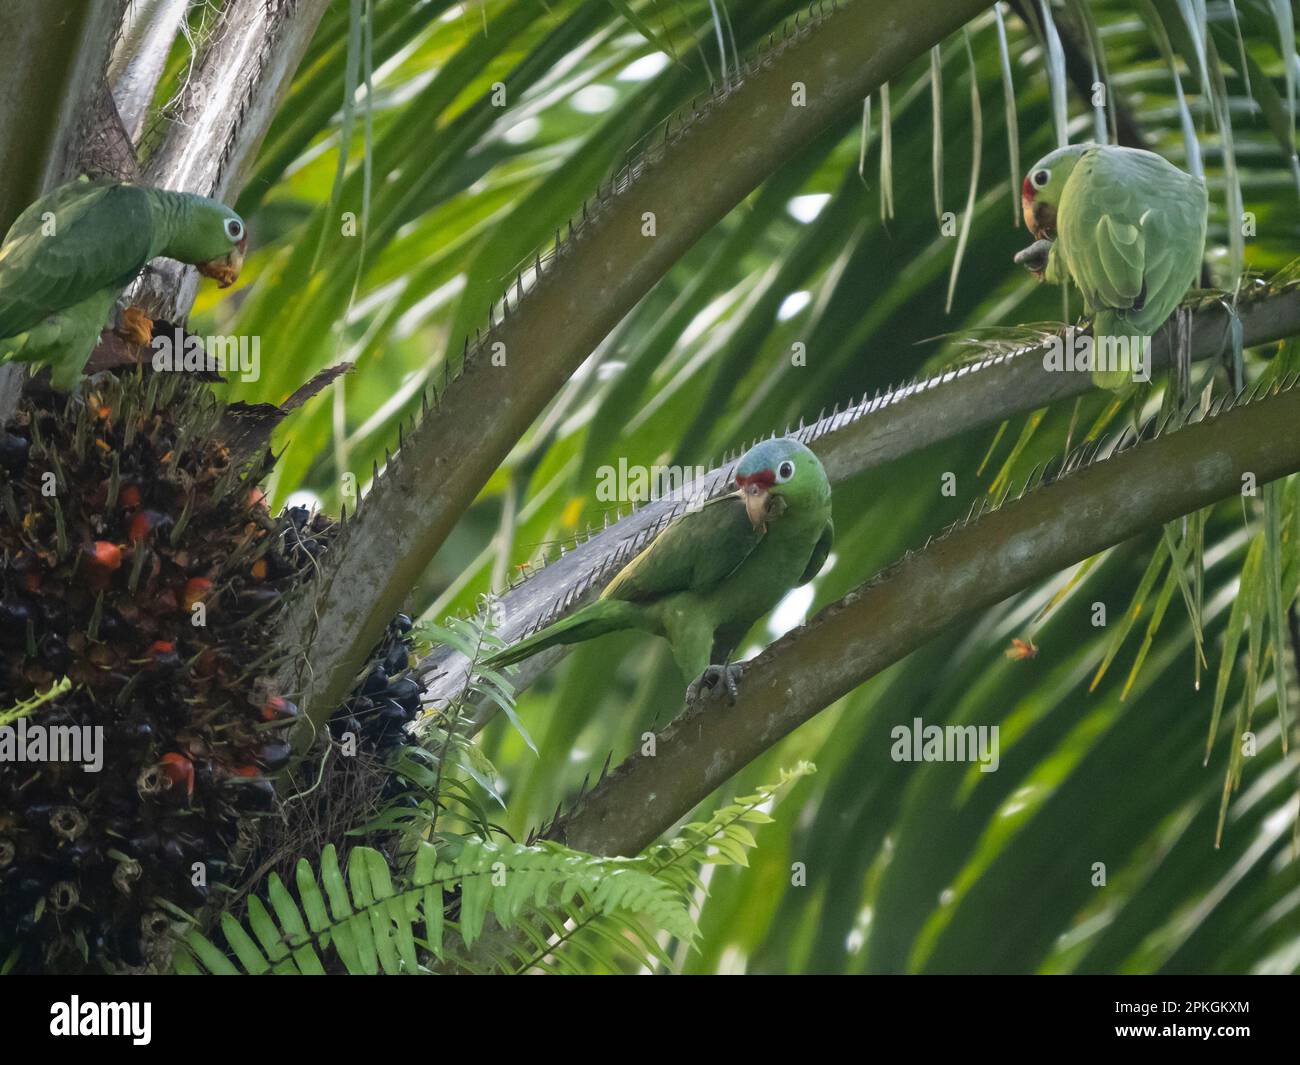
1041, 193
214, 239
778, 475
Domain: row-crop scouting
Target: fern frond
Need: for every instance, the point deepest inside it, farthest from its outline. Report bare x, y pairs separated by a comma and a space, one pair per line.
445, 787
370, 923
724, 839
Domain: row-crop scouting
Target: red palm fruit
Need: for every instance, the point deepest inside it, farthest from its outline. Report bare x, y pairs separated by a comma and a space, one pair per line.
278, 709
139, 527
111, 622
145, 522
162, 654
27, 567
196, 590
178, 769
103, 558
106, 554
206, 665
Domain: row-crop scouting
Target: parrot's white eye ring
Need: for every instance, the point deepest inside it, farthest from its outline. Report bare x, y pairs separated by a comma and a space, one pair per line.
234, 229
784, 472
1040, 178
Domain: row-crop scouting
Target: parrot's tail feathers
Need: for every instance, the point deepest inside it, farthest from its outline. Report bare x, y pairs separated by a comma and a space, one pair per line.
1106, 323
605, 615
1121, 351
1111, 380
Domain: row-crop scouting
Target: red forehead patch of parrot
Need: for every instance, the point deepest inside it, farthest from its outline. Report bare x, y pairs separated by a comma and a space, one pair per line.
760, 478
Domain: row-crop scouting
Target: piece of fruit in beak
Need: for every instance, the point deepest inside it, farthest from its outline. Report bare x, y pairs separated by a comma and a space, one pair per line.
1034, 258
225, 270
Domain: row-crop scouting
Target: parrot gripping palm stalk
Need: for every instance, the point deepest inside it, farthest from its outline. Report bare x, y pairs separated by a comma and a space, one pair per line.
67, 258
1127, 227
712, 572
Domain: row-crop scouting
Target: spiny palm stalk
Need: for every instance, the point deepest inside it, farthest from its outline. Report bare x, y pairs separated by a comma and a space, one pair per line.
861, 437
1037, 529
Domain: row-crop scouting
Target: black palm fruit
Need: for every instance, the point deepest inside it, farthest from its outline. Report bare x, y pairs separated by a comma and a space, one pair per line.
386, 700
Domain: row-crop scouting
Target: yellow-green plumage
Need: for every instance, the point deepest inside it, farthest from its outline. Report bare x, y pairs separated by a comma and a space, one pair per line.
1128, 228
68, 257
713, 572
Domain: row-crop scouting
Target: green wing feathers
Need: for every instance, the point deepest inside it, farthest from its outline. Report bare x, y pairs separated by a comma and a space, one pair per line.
696, 551
70, 246
821, 551
1121, 254
699, 549
1132, 233
709, 574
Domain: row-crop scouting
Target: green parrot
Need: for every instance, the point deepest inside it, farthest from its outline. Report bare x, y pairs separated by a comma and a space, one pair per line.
67, 258
1126, 226
714, 571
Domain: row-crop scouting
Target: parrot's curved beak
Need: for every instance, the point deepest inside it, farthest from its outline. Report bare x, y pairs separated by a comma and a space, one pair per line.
756, 497
761, 505
1040, 218
225, 270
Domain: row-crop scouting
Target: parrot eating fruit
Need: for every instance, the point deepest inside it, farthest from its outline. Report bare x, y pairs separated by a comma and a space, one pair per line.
1126, 226
712, 572
67, 258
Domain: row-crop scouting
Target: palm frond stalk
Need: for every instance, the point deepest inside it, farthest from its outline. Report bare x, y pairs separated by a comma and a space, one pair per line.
974, 565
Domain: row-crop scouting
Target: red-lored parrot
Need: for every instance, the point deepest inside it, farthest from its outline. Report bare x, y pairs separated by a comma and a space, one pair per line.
712, 572
1126, 226
67, 258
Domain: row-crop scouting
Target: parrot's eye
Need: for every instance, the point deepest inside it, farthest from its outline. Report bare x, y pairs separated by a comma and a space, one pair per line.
234, 229
1040, 178
784, 472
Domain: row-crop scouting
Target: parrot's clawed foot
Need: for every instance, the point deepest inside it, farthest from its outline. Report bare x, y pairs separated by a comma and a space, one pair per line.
1034, 257
713, 680
137, 327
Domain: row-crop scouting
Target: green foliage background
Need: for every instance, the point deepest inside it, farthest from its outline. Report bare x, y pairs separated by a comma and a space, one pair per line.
918, 868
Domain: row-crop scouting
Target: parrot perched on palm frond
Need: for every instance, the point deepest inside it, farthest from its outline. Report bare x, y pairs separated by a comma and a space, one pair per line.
712, 572
1126, 226
67, 258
